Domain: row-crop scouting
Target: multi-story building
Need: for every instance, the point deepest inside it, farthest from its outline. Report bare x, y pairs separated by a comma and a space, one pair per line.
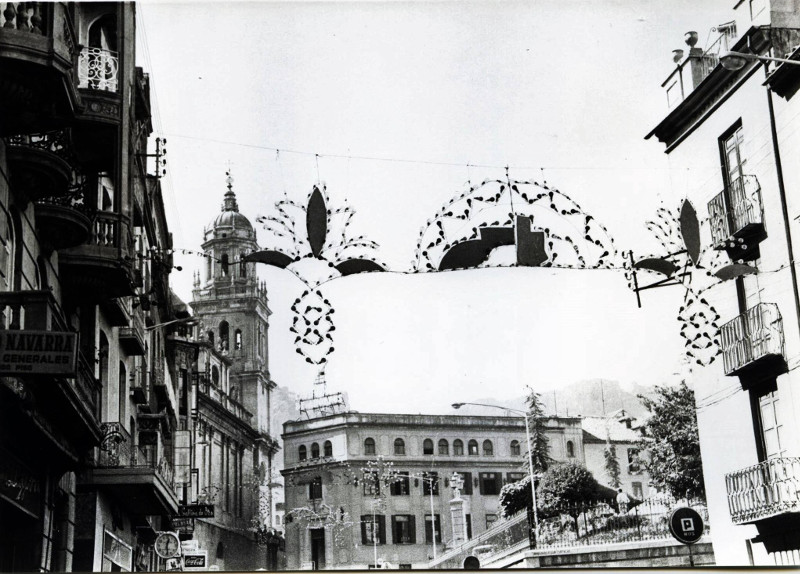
732, 130
90, 416
235, 448
338, 516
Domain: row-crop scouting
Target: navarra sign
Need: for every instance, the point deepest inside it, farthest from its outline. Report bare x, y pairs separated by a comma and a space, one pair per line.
38, 353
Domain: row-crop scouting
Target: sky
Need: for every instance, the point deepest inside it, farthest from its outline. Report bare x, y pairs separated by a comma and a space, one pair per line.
397, 107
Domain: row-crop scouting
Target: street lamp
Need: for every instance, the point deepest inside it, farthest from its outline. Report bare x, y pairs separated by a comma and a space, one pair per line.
530, 455
736, 60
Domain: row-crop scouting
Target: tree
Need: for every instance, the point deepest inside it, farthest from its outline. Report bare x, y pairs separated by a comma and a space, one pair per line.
540, 449
566, 488
672, 442
611, 463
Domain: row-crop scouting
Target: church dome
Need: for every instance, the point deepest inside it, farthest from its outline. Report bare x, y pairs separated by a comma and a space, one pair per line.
231, 223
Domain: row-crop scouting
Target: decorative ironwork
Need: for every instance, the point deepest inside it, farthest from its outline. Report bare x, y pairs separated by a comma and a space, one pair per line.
56, 142
728, 222
117, 450
751, 336
98, 69
764, 490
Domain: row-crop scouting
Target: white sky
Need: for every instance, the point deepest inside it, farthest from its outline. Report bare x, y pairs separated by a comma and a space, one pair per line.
568, 86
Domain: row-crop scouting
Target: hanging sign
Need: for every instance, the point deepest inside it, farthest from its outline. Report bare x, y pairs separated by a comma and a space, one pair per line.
38, 353
196, 511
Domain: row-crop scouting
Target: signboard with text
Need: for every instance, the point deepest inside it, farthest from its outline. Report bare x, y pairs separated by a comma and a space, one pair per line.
195, 560
183, 525
686, 525
38, 353
196, 511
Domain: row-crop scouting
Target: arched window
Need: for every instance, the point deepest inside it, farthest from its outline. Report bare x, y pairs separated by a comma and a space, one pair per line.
444, 447
515, 450
315, 450
570, 449
223, 335
399, 446
301, 452
215, 375
103, 33
223, 261
458, 446
237, 340
488, 448
327, 448
123, 390
473, 447
369, 446
243, 267
427, 446
211, 337
220, 551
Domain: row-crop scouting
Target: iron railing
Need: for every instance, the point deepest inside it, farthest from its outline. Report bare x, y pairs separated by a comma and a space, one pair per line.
764, 490
56, 142
213, 392
98, 69
756, 334
741, 208
117, 450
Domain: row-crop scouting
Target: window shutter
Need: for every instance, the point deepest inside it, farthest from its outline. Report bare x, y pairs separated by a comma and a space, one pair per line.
364, 530
412, 528
395, 531
498, 479
381, 529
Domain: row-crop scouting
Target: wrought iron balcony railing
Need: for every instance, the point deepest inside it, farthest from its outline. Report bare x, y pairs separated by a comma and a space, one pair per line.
765, 490
751, 337
117, 450
98, 69
738, 213
56, 142
217, 395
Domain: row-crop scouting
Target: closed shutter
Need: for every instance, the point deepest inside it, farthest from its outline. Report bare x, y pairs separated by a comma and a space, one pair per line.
498, 482
381, 529
364, 530
412, 529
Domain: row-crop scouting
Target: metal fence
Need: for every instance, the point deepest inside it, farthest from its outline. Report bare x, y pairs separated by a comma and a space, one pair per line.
605, 523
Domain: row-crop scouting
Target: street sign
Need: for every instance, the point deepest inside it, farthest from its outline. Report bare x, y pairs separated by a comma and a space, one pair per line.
686, 525
38, 352
195, 560
183, 525
196, 511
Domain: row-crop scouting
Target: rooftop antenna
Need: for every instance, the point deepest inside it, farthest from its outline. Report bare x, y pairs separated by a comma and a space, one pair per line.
321, 403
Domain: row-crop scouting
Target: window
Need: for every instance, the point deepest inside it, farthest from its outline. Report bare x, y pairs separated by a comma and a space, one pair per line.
473, 447
404, 529
430, 481
372, 484
732, 156
773, 443
636, 487
373, 529
315, 450
243, 267
399, 446
400, 486
117, 556
224, 264
570, 449
237, 340
369, 446
515, 450
458, 447
444, 447
633, 461
490, 520
488, 448
469, 526
467, 478
490, 482
327, 448
223, 335
6, 253
427, 446
515, 476
301, 452
756, 8
433, 525
315, 489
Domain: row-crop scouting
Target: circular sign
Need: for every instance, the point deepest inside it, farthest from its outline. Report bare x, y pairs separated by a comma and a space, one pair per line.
167, 545
686, 525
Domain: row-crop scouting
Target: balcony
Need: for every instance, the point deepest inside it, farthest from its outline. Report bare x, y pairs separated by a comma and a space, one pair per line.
142, 481
37, 49
131, 338
139, 386
62, 221
752, 345
766, 492
72, 399
41, 165
737, 221
212, 393
101, 265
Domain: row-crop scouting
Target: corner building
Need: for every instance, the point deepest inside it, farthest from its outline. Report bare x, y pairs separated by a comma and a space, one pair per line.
735, 131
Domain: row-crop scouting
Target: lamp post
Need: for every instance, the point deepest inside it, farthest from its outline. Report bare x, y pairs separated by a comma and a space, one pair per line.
530, 455
737, 60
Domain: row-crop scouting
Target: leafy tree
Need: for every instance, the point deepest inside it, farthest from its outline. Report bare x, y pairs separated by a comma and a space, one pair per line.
540, 449
515, 496
611, 463
672, 442
565, 488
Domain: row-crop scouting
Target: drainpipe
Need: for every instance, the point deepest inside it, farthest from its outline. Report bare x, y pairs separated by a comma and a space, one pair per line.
782, 193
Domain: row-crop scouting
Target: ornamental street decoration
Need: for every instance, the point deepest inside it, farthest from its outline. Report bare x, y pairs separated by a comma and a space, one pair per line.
537, 225
315, 243
696, 267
